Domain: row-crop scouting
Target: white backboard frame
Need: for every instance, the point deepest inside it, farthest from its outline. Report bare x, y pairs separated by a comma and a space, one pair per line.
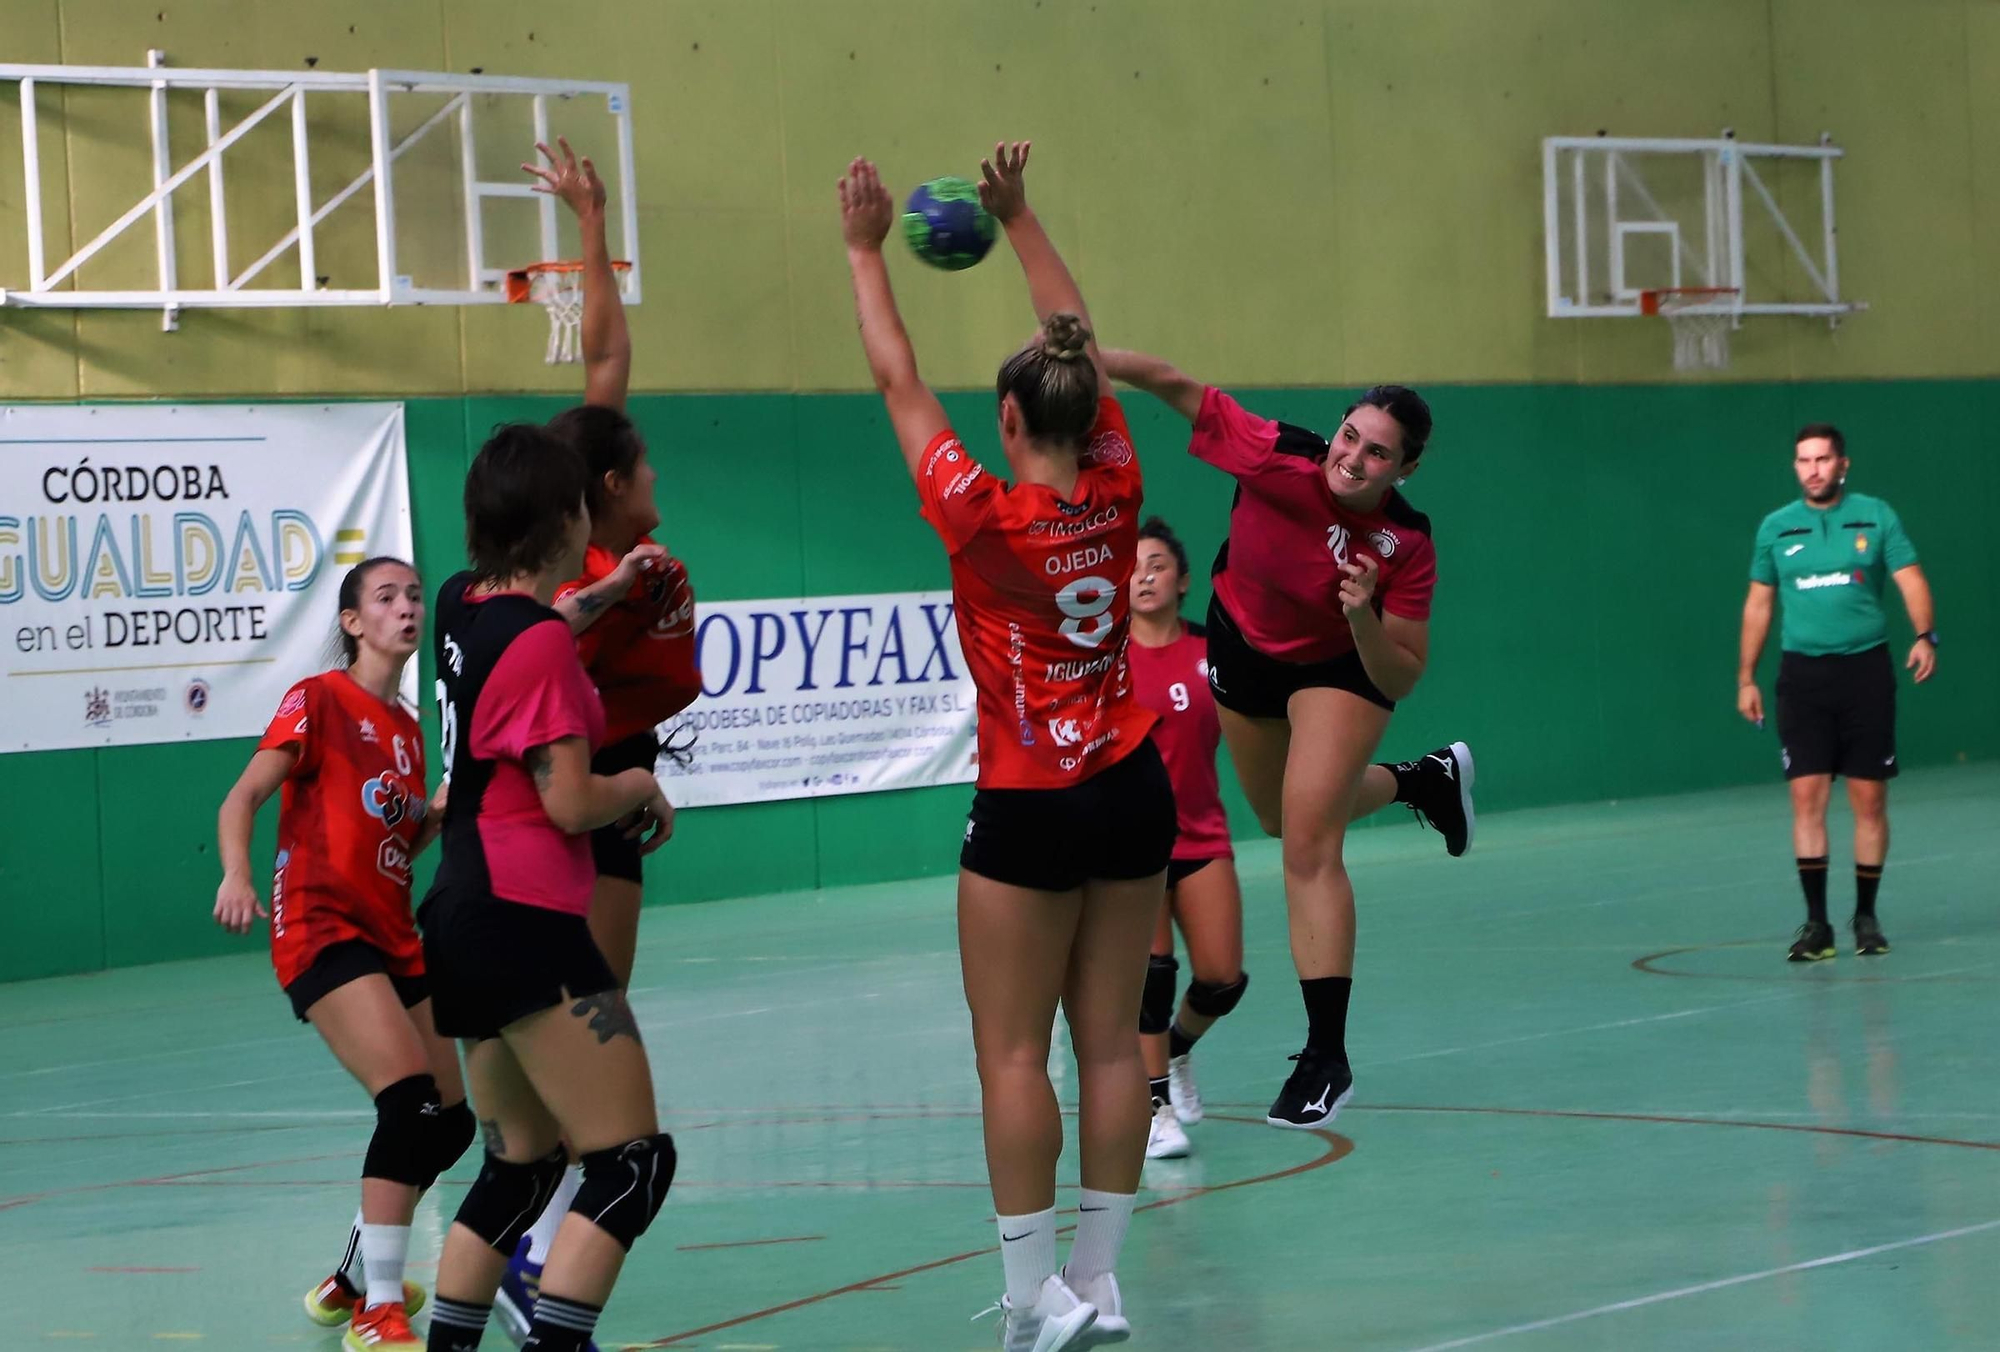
58, 287
1581, 168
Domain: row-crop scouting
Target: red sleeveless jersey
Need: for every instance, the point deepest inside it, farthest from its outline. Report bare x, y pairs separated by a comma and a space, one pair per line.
1039, 589
1172, 681
347, 822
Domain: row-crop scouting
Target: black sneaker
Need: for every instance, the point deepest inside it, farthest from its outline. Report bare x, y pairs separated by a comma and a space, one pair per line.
1320, 1085
1442, 794
1868, 937
1814, 942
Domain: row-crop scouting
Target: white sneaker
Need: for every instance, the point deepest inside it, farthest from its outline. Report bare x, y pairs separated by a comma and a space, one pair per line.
1111, 1326
1058, 1320
1167, 1140
1181, 1088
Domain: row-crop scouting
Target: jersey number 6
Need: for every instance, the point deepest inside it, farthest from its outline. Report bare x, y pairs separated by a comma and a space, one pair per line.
1087, 603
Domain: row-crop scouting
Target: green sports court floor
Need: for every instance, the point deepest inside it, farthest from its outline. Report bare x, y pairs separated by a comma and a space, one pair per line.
1595, 1109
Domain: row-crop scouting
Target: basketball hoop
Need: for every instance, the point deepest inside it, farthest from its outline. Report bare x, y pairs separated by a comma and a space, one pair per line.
1700, 317
557, 288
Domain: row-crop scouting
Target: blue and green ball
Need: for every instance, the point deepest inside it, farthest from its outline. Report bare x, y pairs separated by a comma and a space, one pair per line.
946, 226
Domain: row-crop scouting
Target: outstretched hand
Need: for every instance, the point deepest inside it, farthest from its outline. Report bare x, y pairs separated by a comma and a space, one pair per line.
865, 208
574, 180
1003, 190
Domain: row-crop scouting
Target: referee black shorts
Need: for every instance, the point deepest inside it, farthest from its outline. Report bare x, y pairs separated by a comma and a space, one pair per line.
1837, 714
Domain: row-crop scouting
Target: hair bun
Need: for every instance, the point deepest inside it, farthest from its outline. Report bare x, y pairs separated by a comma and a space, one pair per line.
1064, 337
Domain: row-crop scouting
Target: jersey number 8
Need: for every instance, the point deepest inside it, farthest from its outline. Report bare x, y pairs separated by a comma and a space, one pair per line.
1087, 603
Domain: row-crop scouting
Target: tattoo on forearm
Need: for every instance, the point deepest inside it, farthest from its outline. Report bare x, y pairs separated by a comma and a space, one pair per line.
587, 604
490, 1136
541, 765
610, 1016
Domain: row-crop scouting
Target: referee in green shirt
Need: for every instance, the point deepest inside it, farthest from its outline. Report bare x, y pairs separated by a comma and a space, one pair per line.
1828, 555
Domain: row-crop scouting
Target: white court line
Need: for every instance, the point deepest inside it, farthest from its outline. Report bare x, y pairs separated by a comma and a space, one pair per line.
1640, 1302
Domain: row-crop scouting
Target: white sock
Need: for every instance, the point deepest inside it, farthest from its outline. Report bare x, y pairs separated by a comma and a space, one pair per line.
350, 1261
1028, 1249
384, 1247
551, 1219
1101, 1220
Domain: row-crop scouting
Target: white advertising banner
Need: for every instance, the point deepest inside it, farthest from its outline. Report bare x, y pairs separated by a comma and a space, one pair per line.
827, 695
168, 570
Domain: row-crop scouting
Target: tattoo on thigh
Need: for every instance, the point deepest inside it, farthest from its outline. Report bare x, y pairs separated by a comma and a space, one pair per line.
610, 1016
490, 1135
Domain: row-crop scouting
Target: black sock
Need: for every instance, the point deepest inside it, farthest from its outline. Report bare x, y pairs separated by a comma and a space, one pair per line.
1178, 1042
456, 1325
1160, 1094
1326, 1013
1408, 775
1867, 881
562, 1325
1812, 878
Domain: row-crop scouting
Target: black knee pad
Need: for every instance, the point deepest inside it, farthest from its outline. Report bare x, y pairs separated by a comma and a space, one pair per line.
450, 1132
505, 1199
1156, 1006
1211, 1001
404, 1116
625, 1186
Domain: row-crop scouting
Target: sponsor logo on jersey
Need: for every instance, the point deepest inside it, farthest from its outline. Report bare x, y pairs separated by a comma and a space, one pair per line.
1066, 731
367, 731
1814, 581
1384, 542
963, 482
1064, 530
947, 452
392, 861
294, 702
387, 800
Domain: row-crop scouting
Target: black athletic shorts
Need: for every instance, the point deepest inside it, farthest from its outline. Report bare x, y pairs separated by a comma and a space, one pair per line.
1837, 715
1256, 686
1178, 870
617, 855
1115, 826
350, 960
494, 961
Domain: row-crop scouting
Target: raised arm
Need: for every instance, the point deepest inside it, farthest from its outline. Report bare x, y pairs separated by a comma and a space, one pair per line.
1158, 377
865, 215
607, 343
1051, 290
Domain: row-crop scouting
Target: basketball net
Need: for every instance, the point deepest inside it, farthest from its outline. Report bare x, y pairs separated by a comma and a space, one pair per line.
1701, 318
557, 288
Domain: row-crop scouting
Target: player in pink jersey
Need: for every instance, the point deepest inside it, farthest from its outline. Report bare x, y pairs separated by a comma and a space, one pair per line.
1319, 624
1065, 856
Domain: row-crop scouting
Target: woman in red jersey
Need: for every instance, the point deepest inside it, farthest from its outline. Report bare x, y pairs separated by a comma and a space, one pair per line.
554, 1054
1064, 862
632, 611
1170, 677
1319, 623
349, 758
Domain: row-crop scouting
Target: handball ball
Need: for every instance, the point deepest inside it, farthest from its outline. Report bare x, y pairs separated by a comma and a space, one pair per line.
946, 225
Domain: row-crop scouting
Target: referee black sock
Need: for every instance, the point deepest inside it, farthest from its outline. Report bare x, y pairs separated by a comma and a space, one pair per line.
1326, 1012
1867, 881
1812, 879
456, 1325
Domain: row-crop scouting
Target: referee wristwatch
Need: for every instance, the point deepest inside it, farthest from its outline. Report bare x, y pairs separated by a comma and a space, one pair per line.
1929, 636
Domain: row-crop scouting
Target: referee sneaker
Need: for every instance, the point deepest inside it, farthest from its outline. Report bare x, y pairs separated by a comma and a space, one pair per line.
1828, 554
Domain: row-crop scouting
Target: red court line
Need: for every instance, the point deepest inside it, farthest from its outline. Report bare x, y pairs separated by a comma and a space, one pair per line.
1337, 1148
749, 1243
8, 1203
1803, 1128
